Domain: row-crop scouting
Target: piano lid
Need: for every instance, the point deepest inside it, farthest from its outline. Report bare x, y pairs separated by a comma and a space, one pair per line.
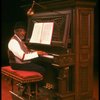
61, 26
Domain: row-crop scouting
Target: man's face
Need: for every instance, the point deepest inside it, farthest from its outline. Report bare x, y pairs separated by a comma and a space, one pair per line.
21, 32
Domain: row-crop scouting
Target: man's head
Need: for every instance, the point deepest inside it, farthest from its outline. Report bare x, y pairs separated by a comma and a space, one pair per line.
20, 30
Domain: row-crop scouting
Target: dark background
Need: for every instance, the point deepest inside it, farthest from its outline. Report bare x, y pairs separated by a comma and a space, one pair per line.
12, 11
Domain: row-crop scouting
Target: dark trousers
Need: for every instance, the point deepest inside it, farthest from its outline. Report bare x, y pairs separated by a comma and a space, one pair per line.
29, 67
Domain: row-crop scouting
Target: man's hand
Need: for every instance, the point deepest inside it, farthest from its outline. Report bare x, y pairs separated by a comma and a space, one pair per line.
41, 53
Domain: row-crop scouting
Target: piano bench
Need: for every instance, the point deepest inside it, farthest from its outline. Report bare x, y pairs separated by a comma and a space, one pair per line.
22, 77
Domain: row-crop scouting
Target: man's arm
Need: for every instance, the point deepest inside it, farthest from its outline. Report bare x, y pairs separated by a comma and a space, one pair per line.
14, 46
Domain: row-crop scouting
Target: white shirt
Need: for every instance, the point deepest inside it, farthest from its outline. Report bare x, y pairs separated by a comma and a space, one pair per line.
14, 46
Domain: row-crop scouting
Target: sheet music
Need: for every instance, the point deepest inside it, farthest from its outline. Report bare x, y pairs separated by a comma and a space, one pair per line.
36, 33
42, 33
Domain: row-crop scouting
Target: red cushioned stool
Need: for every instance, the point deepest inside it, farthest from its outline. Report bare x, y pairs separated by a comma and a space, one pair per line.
23, 77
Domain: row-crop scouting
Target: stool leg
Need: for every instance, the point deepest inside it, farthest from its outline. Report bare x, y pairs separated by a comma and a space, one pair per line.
29, 91
36, 90
12, 83
21, 89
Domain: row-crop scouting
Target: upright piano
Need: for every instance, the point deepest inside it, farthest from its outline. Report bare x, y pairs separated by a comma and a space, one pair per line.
70, 51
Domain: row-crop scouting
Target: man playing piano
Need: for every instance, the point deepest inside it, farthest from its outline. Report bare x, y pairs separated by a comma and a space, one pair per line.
20, 57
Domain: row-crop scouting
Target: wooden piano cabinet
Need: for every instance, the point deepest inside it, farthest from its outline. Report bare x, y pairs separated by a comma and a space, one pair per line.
75, 69
64, 60
66, 83
83, 44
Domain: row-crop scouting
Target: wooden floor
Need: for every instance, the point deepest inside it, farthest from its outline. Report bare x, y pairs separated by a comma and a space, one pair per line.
5, 87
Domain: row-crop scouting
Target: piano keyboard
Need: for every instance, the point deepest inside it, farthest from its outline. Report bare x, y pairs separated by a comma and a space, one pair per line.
48, 56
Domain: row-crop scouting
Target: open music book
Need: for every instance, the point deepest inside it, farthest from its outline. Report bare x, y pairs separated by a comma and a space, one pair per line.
42, 32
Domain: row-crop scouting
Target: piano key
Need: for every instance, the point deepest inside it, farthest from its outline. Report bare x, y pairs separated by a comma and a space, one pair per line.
48, 56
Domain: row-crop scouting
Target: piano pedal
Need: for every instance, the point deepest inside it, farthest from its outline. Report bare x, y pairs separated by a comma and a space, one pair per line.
49, 86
